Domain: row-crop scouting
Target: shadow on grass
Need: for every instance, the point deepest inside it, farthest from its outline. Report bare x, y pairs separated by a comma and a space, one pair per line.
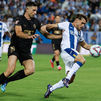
60, 97
54, 97
14, 94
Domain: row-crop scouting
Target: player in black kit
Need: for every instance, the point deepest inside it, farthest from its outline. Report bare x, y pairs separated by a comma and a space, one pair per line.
19, 48
56, 44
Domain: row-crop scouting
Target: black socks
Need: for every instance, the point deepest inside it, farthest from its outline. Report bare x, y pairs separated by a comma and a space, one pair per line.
18, 75
3, 78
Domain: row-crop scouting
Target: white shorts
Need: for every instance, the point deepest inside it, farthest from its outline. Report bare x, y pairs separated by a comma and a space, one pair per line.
68, 56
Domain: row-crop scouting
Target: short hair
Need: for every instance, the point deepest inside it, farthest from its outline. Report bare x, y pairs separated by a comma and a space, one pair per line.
57, 15
80, 16
31, 4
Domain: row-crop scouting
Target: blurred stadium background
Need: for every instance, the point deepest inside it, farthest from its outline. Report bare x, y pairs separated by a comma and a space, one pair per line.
10, 9
87, 86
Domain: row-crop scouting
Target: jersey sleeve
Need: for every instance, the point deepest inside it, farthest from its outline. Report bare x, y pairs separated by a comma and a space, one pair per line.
38, 25
81, 37
18, 22
5, 27
63, 25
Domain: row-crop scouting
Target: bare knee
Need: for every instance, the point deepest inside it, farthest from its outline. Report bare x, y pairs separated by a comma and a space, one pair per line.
29, 71
57, 53
29, 66
83, 61
80, 58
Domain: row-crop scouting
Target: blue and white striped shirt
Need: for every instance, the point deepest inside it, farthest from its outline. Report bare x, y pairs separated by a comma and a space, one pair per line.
71, 36
3, 29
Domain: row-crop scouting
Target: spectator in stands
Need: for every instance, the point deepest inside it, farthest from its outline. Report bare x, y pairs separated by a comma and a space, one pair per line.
93, 38
99, 25
56, 7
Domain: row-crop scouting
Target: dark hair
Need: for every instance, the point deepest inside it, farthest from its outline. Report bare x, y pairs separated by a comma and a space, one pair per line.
31, 4
80, 16
57, 15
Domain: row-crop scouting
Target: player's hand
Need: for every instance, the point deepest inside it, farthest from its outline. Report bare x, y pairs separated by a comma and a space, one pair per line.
33, 36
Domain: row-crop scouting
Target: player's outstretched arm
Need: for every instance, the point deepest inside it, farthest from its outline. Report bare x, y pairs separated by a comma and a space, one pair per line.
47, 34
85, 45
52, 36
49, 26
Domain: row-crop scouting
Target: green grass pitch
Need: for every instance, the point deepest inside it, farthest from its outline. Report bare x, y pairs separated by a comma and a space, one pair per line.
86, 87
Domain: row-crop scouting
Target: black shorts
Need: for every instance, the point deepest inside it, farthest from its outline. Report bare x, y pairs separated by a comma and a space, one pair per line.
12, 50
56, 46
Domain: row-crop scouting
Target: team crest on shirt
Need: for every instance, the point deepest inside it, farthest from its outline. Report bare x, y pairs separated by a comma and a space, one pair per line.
24, 25
12, 49
71, 32
16, 21
34, 26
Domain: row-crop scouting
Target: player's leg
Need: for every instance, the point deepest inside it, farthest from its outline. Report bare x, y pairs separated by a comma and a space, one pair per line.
78, 62
51, 88
0, 53
60, 84
29, 67
72, 78
10, 69
56, 54
28, 70
53, 59
24, 60
52, 62
69, 62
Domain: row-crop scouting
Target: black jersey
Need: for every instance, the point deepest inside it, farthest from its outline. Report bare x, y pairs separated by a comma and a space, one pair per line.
56, 31
28, 27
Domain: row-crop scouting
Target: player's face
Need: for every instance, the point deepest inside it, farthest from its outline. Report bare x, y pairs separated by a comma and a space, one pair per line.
80, 23
32, 11
57, 19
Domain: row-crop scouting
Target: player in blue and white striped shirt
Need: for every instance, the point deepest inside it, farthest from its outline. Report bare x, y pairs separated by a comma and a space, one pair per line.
3, 31
71, 37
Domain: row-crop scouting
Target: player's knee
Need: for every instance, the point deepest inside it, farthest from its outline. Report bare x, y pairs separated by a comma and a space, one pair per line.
29, 71
80, 58
32, 71
83, 61
56, 53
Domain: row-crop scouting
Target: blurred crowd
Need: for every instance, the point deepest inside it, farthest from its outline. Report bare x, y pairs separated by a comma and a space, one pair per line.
67, 9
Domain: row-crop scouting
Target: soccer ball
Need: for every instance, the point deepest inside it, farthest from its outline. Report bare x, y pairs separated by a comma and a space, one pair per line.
95, 50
